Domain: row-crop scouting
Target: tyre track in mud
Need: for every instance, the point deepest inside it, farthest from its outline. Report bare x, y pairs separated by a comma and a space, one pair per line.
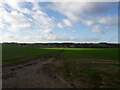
33, 74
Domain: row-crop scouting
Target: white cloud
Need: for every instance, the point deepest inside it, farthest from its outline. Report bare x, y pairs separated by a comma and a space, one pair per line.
97, 29
16, 20
86, 12
7, 37
109, 20
2, 25
14, 4
60, 25
78, 11
37, 28
89, 22
48, 31
67, 22
27, 11
71, 11
36, 6
43, 22
64, 23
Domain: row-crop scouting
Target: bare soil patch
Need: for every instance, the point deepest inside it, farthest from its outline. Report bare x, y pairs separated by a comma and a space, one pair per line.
32, 74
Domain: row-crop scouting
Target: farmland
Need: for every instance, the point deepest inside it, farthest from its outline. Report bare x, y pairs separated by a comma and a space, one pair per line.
80, 67
14, 53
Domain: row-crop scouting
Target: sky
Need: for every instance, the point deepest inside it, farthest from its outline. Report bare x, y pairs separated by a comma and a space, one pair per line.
39, 22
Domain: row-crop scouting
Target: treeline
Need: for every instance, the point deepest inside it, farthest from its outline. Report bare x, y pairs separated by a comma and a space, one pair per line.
66, 45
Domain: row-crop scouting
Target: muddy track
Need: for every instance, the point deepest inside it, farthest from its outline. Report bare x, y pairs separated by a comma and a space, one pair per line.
40, 73
33, 74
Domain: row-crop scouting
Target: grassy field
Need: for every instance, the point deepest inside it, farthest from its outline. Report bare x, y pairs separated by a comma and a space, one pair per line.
110, 54
98, 53
89, 67
14, 53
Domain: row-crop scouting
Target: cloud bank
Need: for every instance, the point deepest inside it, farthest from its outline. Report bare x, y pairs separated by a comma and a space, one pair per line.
28, 22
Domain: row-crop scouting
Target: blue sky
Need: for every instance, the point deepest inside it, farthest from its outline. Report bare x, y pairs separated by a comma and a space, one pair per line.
31, 22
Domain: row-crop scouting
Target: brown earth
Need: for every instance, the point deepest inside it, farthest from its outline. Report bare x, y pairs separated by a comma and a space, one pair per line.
45, 73
32, 74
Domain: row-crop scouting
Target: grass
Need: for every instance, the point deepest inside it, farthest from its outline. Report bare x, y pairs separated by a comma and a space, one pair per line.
90, 74
17, 53
98, 53
90, 66
110, 54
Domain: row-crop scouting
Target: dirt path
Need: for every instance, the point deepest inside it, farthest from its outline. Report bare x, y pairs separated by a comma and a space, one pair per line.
32, 74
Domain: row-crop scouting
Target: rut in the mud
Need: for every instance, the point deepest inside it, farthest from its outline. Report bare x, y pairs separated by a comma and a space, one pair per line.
33, 74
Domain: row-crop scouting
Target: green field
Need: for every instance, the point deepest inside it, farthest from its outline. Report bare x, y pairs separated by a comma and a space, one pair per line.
89, 67
17, 53
98, 53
